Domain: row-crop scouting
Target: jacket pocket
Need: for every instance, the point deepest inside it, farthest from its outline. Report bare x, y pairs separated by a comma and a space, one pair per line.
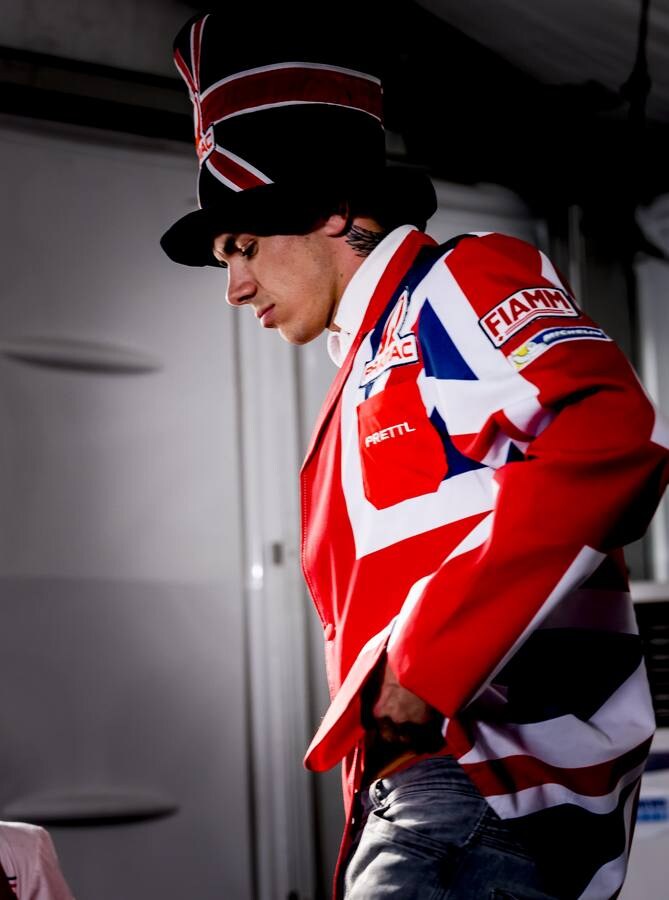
401, 453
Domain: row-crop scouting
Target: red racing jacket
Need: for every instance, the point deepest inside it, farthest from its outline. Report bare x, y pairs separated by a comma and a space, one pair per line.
482, 456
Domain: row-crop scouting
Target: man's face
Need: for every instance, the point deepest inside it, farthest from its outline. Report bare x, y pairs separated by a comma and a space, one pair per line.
290, 281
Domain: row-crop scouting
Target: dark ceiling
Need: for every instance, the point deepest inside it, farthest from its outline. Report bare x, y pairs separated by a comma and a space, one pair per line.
471, 115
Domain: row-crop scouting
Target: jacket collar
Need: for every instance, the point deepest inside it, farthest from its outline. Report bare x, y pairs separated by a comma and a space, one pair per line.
395, 270
359, 291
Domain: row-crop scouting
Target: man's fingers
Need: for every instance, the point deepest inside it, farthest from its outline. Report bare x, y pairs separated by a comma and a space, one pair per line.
392, 732
386, 730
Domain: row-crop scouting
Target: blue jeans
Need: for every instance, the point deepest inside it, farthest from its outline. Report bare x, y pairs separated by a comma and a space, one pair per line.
426, 832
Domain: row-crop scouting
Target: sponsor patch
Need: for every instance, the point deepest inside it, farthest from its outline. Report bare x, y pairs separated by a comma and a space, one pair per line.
515, 312
392, 431
395, 349
401, 452
544, 340
205, 144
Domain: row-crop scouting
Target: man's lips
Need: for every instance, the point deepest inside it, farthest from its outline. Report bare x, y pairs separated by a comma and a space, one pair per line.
264, 314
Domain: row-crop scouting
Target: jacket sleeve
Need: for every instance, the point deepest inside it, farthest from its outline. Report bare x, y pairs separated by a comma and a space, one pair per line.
587, 470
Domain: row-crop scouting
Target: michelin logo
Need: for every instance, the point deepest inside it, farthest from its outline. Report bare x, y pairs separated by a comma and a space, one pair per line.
544, 340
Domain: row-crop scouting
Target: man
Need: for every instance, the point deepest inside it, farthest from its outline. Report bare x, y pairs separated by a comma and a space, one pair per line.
483, 454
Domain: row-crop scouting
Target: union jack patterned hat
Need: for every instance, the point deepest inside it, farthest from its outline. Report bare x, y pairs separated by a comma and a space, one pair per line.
287, 119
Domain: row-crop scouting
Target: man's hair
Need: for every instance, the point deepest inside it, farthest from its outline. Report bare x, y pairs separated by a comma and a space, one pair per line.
409, 200
405, 197
396, 196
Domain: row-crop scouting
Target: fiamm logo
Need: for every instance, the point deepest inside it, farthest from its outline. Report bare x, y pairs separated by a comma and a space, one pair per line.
518, 310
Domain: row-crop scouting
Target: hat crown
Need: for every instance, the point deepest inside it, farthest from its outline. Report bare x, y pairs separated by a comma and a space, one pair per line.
276, 111
288, 123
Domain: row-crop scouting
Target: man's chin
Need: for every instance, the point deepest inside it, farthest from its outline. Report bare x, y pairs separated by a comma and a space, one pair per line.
298, 336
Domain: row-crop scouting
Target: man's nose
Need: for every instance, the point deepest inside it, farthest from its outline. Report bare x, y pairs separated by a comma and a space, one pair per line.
241, 287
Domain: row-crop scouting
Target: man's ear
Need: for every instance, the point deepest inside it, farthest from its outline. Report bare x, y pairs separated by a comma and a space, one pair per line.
339, 222
336, 225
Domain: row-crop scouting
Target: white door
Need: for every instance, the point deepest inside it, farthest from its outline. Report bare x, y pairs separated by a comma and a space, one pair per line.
122, 646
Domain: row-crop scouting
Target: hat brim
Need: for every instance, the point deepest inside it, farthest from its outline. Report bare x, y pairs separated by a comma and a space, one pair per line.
270, 209
406, 193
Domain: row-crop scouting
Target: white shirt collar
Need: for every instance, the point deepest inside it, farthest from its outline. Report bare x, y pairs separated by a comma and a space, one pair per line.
358, 292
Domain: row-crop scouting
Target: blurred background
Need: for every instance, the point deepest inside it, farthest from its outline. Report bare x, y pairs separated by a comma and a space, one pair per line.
161, 667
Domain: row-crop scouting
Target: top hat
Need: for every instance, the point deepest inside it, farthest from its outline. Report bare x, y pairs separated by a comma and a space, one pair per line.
288, 119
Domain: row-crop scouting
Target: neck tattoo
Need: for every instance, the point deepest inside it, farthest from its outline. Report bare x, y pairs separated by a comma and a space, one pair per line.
362, 240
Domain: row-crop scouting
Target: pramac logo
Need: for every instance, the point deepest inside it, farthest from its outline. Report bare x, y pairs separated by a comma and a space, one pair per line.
205, 144
395, 349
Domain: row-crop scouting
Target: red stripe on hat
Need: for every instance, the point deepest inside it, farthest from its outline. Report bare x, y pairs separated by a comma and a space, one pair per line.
296, 84
184, 71
232, 171
196, 48
192, 87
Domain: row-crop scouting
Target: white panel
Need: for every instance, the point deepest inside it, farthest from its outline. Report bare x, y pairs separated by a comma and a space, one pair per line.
135, 464
124, 643
131, 686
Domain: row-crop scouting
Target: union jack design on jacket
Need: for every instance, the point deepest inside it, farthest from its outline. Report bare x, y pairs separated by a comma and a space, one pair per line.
475, 470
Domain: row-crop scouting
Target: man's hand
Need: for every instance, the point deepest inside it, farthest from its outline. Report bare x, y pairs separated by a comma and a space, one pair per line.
400, 716
396, 703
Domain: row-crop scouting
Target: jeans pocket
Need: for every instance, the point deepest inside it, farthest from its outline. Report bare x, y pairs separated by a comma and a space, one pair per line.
425, 802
